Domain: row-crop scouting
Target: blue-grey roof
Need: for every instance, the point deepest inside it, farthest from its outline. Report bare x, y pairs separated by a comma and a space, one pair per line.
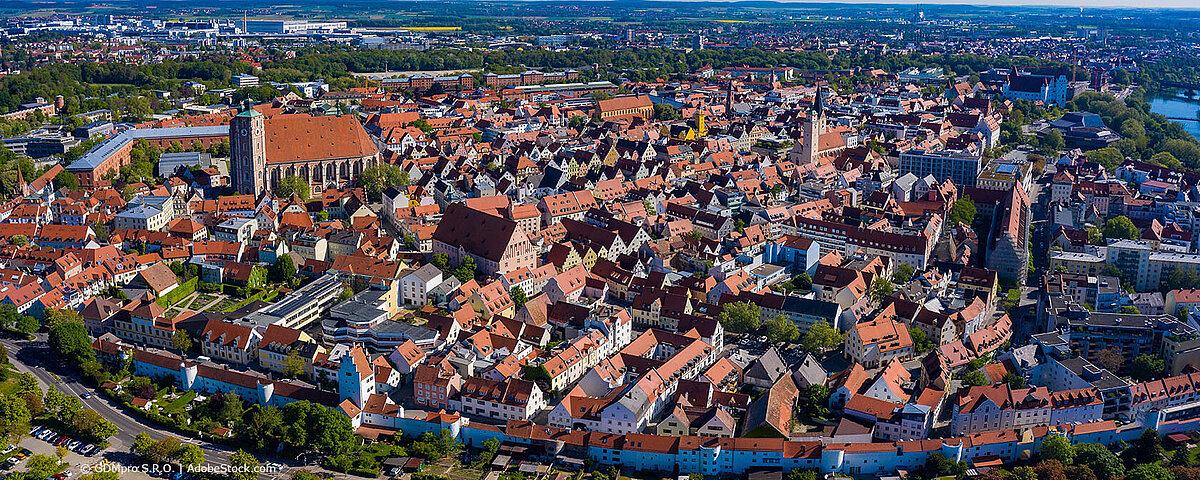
106, 149
140, 212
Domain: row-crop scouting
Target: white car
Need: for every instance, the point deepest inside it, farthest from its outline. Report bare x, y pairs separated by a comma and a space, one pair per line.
87, 449
73, 444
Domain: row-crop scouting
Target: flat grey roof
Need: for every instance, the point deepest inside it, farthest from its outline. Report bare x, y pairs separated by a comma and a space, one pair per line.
106, 149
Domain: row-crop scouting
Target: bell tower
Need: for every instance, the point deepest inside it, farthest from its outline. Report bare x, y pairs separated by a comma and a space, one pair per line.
814, 126
248, 150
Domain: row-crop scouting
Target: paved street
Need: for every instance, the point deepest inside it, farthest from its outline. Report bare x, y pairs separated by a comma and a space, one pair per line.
36, 358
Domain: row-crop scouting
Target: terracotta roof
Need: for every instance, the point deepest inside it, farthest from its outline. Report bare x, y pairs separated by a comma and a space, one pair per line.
299, 138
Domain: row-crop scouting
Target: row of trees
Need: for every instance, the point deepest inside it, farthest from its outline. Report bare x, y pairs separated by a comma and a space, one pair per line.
745, 317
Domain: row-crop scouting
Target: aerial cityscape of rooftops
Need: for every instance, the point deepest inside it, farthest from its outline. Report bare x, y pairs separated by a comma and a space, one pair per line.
514, 240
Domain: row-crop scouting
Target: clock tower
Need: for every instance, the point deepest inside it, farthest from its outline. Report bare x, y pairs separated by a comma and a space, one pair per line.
248, 150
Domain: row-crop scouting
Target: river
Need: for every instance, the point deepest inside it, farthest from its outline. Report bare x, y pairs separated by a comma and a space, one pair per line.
1179, 108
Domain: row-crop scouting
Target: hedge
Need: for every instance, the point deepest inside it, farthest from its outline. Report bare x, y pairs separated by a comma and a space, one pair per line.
184, 289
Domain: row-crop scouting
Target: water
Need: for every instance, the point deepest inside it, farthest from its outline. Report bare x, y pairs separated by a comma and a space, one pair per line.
1179, 107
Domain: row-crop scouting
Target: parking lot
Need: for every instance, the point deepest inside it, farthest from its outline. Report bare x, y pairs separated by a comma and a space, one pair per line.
42, 440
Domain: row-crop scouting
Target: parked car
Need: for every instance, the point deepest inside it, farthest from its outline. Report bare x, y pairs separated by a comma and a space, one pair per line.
73, 444
62, 441
86, 450
86, 395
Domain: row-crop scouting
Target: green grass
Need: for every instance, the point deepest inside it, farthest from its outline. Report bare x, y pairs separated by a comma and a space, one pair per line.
177, 405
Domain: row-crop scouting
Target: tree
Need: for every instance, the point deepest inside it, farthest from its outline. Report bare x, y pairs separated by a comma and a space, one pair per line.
976, 378
293, 185
1147, 367
1051, 470
1023, 472
921, 342
663, 111
880, 289
18, 240
377, 178
802, 281
1014, 381
1054, 140
71, 341
821, 337
441, 261
1105, 464
1148, 447
181, 340
518, 296
190, 455
1121, 228
27, 324
347, 292
142, 443
261, 426
902, 274
466, 269
1111, 359
740, 317
42, 466
1058, 448
294, 364
937, 464
963, 211
1150, 471
243, 466
780, 330
283, 269
14, 419
1130, 309
91, 424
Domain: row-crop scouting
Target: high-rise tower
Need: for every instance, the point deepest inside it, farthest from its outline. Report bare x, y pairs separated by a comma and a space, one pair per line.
248, 150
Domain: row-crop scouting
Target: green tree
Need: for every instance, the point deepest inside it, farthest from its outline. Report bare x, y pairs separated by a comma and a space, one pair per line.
665, 112
293, 184
1014, 381
243, 466
1057, 447
880, 289
518, 296
1130, 309
14, 419
820, 337
466, 269
1147, 367
1150, 471
181, 340
283, 269
190, 455
1105, 464
1148, 447
377, 178
780, 330
740, 317
18, 240
90, 424
902, 274
261, 427
1054, 140
42, 466
71, 341
802, 281
920, 340
963, 211
1121, 228
976, 378
294, 364
27, 324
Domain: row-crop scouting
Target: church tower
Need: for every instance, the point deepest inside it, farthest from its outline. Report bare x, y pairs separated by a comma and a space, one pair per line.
701, 127
813, 127
248, 150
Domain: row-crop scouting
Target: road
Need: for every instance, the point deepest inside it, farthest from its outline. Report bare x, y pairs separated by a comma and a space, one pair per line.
36, 358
